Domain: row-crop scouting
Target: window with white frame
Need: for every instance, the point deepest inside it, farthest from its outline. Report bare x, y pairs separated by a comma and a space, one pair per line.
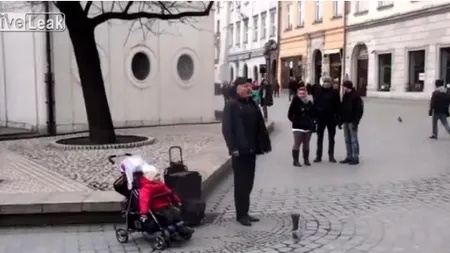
238, 33
263, 25
361, 6
385, 3
337, 8
230, 38
255, 27
273, 17
300, 13
318, 11
289, 16
245, 31
218, 7
231, 4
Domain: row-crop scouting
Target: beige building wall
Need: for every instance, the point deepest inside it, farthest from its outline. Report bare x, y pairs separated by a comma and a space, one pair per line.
302, 38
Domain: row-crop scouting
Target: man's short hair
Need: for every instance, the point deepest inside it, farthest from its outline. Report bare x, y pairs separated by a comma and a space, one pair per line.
439, 83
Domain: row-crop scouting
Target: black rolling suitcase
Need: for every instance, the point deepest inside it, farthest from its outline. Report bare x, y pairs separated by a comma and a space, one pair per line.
188, 185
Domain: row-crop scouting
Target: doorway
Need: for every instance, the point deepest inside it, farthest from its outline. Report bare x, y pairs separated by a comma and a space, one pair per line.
317, 66
360, 61
245, 71
255, 73
335, 68
231, 74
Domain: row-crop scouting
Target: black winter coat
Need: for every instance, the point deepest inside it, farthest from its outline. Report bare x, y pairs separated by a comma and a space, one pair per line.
327, 103
244, 129
352, 108
301, 114
440, 102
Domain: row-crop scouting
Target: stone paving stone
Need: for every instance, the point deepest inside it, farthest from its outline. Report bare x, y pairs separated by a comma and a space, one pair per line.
203, 150
397, 200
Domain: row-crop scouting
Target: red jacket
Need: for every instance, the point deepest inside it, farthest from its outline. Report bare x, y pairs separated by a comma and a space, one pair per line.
148, 190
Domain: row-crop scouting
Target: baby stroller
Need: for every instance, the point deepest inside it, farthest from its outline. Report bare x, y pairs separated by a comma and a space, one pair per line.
128, 185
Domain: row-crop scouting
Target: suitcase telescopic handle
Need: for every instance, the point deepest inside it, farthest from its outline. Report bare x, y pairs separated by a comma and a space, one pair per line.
179, 150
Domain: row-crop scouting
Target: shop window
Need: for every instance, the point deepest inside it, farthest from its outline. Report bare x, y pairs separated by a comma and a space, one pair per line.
445, 64
384, 72
416, 70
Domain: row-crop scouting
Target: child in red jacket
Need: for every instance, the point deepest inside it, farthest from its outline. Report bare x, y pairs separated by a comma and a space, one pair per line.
154, 195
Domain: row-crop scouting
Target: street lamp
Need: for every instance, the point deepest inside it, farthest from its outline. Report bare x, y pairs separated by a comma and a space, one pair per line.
270, 47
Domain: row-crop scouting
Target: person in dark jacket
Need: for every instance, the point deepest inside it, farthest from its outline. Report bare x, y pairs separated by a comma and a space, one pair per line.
246, 136
301, 114
327, 103
293, 86
439, 104
352, 110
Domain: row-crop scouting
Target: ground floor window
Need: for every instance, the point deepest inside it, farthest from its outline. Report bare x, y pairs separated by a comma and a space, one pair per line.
416, 70
445, 64
384, 72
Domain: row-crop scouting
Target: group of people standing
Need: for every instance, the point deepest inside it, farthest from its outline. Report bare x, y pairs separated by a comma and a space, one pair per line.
325, 111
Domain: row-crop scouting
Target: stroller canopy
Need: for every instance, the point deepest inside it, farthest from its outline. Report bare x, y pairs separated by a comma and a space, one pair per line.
133, 164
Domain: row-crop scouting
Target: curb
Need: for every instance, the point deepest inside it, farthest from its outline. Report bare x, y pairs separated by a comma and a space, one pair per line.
62, 208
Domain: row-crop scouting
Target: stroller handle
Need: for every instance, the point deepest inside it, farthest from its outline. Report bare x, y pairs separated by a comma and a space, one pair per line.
112, 158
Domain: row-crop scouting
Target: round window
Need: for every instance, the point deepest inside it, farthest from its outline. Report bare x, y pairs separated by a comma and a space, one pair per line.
185, 67
140, 66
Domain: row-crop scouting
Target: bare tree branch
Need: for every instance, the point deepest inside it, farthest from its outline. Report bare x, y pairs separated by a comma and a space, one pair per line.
147, 15
127, 8
88, 6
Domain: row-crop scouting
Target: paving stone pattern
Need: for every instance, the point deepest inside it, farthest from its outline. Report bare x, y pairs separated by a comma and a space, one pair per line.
91, 168
397, 200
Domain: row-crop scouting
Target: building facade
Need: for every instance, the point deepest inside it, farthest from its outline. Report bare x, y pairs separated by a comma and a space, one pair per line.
311, 40
162, 79
398, 49
244, 27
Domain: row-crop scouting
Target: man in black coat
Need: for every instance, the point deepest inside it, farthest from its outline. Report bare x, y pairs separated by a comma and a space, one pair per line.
439, 104
246, 136
327, 103
352, 110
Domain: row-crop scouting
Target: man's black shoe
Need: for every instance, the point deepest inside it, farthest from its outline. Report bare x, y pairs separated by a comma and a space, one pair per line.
345, 161
318, 160
332, 160
245, 222
433, 137
354, 162
252, 219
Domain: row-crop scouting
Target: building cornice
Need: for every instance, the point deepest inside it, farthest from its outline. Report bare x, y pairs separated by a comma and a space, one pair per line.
435, 10
313, 34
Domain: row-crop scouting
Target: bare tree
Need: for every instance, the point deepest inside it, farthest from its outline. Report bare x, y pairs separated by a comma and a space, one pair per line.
81, 25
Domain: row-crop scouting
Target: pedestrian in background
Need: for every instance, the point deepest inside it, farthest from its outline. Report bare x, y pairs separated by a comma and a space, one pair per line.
301, 114
327, 103
293, 86
276, 88
439, 104
246, 136
352, 110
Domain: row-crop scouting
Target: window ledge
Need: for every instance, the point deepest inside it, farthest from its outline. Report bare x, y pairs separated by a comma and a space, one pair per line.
288, 29
336, 17
384, 7
317, 21
360, 13
299, 26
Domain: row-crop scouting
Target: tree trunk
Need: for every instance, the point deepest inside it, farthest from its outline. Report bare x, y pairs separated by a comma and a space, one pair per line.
81, 32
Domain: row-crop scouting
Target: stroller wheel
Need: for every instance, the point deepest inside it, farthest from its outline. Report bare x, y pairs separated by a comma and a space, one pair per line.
121, 235
159, 243
187, 236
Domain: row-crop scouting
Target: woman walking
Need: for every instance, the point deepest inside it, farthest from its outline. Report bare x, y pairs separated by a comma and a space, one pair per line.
301, 114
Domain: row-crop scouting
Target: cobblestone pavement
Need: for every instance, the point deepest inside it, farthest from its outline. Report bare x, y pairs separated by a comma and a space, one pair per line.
91, 168
397, 200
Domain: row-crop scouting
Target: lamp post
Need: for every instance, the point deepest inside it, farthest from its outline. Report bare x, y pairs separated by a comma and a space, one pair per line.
270, 47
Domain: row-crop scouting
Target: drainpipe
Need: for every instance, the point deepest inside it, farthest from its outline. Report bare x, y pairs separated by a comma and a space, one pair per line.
344, 49
49, 80
278, 44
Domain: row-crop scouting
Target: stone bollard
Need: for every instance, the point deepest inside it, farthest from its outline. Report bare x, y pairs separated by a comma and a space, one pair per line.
296, 232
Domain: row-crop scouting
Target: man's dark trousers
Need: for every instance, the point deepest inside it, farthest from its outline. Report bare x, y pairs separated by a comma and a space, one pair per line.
330, 125
244, 177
